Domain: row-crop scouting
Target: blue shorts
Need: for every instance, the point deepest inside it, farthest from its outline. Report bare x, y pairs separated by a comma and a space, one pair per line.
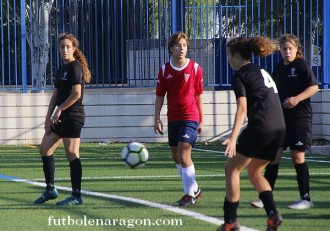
182, 131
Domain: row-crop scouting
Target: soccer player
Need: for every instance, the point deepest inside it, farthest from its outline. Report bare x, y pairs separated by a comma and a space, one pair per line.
256, 98
181, 80
64, 119
296, 83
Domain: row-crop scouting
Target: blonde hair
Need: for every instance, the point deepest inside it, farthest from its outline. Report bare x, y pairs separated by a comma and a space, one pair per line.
78, 55
260, 46
290, 38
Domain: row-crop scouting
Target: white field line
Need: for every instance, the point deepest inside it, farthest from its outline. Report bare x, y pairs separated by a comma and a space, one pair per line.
310, 159
167, 176
195, 215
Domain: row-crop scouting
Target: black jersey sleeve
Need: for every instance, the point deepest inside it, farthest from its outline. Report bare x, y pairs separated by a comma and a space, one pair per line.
77, 74
238, 86
306, 73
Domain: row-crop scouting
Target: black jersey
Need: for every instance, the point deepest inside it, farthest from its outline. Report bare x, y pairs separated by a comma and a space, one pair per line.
291, 80
264, 109
68, 75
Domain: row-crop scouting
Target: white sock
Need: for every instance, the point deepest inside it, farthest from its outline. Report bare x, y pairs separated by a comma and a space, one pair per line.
188, 180
179, 168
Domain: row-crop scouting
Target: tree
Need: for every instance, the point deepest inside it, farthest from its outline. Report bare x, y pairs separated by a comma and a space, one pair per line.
37, 18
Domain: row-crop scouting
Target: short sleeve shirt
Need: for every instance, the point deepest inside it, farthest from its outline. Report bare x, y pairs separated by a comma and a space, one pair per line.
291, 80
264, 110
181, 87
67, 76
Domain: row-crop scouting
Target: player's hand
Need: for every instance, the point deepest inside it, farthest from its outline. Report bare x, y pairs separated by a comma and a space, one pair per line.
56, 118
158, 126
230, 150
290, 102
200, 127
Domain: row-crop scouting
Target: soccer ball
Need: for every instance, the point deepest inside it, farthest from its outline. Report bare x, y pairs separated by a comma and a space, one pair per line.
135, 155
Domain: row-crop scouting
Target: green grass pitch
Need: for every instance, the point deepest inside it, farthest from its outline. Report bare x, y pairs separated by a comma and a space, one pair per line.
117, 198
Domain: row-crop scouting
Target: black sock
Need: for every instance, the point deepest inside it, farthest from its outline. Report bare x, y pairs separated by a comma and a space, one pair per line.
49, 171
76, 175
271, 173
230, 211
303, 180
267, 199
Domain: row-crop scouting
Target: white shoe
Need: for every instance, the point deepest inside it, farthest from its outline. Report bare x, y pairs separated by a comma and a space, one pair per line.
302, 204
257, 204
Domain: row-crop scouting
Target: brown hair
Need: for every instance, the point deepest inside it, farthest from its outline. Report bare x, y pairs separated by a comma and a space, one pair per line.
260, 46
175, 38
78, 55
290, 38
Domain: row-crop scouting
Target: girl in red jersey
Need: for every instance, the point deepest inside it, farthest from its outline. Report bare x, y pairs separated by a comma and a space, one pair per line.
296, 83
181, 80
257, 99
67, 121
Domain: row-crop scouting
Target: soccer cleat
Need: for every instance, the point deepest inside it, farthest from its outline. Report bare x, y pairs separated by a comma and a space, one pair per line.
257, 204
198, 193
302, 204
72, 200
229, 227
187, 200
46, 196
274, 222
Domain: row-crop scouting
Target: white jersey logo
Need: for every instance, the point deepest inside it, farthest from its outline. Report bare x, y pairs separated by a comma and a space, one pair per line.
186, 77
293, 73
64, 76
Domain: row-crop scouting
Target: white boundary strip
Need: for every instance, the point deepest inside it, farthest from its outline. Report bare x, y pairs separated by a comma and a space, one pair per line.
170, 176
195, 215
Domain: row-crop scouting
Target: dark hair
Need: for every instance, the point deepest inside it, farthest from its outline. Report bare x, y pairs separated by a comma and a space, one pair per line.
290, 38
259, 46
78, 55
175, 38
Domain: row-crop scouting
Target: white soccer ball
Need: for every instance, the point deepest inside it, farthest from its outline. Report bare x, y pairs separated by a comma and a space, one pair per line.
135, 155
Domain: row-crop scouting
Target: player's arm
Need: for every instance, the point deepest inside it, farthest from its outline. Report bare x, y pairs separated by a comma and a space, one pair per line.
75, 95
158, 125
51, 107
291, 102
201, 113
240, 116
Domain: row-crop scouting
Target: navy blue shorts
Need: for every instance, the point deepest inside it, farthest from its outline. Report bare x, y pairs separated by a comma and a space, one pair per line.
261, 145
182, 131
69, 128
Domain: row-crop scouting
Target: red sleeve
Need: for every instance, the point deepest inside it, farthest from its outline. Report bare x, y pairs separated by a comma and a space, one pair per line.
199, 86
160, 88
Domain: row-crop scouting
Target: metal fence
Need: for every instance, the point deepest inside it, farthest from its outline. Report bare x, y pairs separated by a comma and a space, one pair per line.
125, 41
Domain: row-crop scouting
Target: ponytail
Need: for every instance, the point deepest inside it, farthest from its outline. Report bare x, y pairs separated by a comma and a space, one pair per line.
259, 46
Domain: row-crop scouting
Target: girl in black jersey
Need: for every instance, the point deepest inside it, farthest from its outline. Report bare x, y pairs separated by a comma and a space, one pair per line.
64, 119
296, 83
256, 146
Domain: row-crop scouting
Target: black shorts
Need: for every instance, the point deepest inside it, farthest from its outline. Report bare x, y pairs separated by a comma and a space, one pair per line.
261, 145
298, 137
69, 128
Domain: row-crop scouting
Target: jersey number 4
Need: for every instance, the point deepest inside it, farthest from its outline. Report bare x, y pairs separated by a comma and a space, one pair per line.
269, 82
